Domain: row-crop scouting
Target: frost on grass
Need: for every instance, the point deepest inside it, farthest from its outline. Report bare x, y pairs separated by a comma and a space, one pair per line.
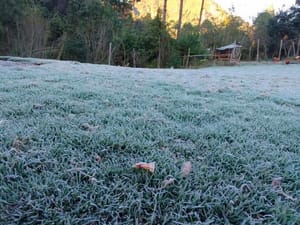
77, 129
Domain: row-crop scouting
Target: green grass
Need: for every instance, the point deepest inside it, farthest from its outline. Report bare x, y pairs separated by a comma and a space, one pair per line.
50, 172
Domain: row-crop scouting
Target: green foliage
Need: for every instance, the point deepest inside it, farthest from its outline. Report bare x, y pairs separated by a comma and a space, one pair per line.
148, 38
211, 34
261, 29
175, 60
56, 28
75, 49
147, 42
285, 25
94, 24
190, 39
232, 29
1, 31
11, 10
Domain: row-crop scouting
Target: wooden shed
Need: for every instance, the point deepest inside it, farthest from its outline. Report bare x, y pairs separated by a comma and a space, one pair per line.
229, 53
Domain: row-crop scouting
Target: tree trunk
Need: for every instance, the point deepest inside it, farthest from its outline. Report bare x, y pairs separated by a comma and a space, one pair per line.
201, 13
133, 58
180, 19
250, 53
165, 11
159, 53
298, 47
266, 51
61, 49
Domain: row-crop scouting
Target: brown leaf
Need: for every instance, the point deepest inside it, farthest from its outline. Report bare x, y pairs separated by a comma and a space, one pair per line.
88, 127
98, 158
93, 179
288, 197
276, 182
186, 169
38, 106
245, 188
20, 143
167, 182
2, 122
146, 166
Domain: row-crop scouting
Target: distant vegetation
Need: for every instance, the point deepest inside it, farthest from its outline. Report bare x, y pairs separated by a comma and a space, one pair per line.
82, 30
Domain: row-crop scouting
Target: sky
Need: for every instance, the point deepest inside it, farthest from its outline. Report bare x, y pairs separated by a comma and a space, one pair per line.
249, 9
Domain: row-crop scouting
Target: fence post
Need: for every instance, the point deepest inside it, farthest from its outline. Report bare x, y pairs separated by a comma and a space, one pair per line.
257, 51
133, 58
109, 54
279, 54
188, 58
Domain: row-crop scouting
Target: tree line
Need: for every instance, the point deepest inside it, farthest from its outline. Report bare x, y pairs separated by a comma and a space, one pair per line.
84, 30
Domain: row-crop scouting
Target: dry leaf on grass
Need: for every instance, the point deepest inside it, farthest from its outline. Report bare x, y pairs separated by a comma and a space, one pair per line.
186, 169
288, 197
167, 182
276, 184
2, 122
88, 127
93, 179
98, 158
146, 166
38, 106
12, 177
246, 188
20, 143
79, 170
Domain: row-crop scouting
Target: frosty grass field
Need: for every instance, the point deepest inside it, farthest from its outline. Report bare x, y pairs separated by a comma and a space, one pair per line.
70, 134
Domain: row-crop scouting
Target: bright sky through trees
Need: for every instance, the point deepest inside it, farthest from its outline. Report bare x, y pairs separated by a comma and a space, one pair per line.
249, 9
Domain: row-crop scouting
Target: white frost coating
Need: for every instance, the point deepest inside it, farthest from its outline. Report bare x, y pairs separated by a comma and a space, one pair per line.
269, 79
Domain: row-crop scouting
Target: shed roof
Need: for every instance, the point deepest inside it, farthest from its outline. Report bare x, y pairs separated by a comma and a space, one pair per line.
230, 46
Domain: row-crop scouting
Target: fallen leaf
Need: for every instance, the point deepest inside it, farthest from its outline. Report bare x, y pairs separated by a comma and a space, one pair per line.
276, 182
167, 182
79, 170
12, 177
93, 179
20, 143
88, 127
288, 197
38, 106
146, 166
186, 169
200, 158
98, 158
2, 122
245, 188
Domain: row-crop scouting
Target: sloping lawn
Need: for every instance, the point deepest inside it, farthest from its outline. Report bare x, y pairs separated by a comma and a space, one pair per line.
70, 134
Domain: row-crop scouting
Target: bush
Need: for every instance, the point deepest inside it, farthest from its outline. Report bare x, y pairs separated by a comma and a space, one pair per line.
75, 49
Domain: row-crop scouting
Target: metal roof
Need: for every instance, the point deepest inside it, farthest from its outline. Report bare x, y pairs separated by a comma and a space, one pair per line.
231, 46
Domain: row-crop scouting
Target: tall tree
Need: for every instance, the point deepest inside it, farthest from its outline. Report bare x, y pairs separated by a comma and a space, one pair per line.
260, 32
201, 13
165, 11
284, 26
180, 19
